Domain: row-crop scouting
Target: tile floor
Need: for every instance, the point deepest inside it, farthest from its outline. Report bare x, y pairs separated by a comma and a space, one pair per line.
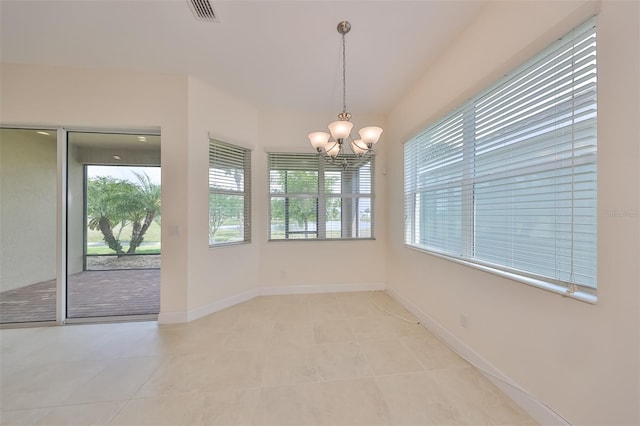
327, 359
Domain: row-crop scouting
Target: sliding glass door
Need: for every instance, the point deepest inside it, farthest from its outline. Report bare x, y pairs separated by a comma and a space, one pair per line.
113, 226
79, 226
28, 225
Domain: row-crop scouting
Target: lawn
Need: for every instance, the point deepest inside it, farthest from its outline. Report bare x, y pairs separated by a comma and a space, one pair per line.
151, 243
145, 249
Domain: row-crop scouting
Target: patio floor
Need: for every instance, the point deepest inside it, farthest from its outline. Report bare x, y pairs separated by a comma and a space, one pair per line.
89, 294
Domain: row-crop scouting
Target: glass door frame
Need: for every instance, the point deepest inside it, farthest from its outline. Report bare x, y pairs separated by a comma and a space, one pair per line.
64, 280
62, 218
61, 227
60, 221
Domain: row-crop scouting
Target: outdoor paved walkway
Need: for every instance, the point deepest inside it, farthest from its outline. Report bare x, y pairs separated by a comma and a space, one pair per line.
90, 294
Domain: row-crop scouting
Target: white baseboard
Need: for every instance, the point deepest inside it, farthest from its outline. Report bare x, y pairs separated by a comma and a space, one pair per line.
172, 317
320, 288
221, 304
194, 314
535, 408
182, 317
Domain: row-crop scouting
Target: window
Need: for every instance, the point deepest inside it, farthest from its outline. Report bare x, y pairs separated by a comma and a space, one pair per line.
508, 181
229, 194
311, 199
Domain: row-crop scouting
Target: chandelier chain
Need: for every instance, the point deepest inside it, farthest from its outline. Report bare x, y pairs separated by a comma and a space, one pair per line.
344, 76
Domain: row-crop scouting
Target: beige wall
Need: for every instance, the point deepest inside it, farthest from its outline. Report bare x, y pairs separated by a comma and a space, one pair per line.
285, 264
196, 278
581, 359
101, 99
27, 208
223, 272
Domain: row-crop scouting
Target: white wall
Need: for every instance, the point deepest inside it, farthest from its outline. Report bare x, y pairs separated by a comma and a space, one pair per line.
581, 359
196, 279
219, 273
326, 265
27, 208
102, 99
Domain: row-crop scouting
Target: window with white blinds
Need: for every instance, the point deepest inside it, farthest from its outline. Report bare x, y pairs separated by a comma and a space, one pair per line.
229, 194
508, 181
312, 199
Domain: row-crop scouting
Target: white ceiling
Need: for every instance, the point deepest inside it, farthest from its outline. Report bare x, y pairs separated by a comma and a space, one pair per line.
114, 140
274, 54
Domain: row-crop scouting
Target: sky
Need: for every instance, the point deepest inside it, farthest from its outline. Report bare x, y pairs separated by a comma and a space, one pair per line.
124, 172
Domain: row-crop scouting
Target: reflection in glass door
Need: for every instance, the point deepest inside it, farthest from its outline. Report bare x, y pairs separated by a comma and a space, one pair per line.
28, 223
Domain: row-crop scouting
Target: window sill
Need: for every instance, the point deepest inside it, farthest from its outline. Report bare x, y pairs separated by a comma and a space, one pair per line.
234, 243
544, 285
318, 239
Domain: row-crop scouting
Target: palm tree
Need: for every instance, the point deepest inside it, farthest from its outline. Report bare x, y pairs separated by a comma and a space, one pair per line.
105, 209
144, 207
115, 202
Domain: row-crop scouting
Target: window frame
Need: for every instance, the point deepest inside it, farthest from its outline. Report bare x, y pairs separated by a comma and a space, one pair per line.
469, 178
233, 155
349, 223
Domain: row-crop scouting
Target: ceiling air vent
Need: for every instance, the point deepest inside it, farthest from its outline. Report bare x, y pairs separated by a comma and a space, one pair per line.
203, 10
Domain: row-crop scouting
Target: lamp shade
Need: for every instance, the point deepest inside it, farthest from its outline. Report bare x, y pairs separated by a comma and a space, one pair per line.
370, 135
358, 147
319, 140
340, 129
333, 150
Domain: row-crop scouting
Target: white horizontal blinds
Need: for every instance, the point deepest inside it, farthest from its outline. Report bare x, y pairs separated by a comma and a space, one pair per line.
434, 172
229, 193
313, 199
411, 215
535, 165
293, 189
349, 212
509, 180
364, 187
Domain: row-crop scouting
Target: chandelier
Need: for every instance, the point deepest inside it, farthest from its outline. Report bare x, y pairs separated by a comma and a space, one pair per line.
330, 145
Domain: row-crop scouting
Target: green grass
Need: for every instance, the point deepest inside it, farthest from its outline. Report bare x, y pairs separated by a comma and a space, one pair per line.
151, 236
154, 249
224, 235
